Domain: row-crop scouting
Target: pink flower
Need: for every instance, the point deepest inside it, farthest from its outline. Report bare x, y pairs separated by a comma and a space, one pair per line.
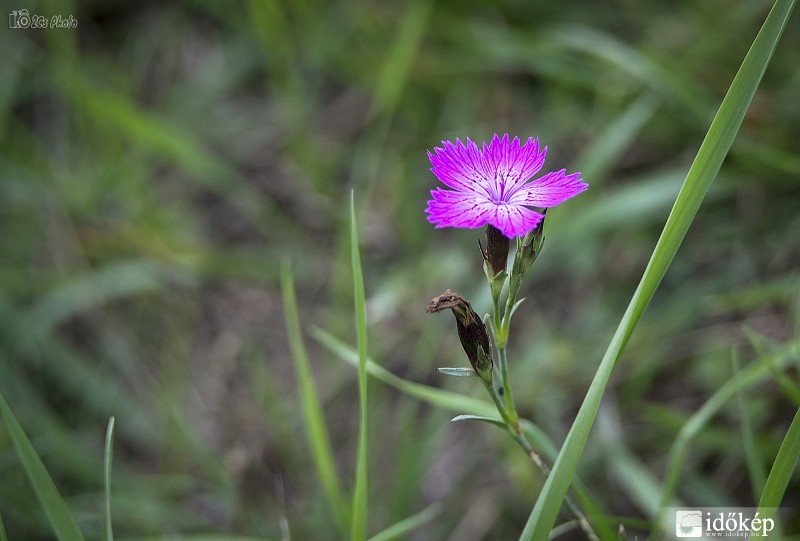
493, 186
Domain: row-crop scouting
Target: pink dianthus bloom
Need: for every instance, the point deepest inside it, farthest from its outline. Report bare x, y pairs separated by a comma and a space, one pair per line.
491, 186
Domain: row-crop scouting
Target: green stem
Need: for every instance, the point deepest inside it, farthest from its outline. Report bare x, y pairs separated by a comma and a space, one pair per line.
505, 392
511, 419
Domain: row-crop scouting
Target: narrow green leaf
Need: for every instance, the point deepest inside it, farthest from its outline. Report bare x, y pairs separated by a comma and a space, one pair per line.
109, 448
358, 525
407, 525
57, 512
782, 468
313, 415
458, 372
490, 420
516, 305
3, 536
699, 178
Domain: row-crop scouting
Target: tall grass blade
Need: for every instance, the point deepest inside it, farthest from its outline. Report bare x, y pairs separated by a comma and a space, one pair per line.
109, 450
61, 520
358, 525
701, 174
313, 416
782, 468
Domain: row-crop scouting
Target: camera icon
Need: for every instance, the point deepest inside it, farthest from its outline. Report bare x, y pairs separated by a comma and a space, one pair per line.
19, 19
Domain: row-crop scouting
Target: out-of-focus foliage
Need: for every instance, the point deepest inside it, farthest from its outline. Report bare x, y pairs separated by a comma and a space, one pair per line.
160, 160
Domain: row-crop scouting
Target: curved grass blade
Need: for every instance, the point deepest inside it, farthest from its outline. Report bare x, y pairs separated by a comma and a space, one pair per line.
407, 525
358, 525
61, 520
313, 416
109, 448
699, 178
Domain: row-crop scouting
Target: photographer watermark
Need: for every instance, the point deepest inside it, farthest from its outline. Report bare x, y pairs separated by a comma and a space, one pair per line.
21, 19
715, 522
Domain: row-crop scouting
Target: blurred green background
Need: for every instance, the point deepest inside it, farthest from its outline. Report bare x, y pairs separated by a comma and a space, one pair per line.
161, 160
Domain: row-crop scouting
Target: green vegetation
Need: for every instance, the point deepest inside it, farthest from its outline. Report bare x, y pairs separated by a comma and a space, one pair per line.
180, 251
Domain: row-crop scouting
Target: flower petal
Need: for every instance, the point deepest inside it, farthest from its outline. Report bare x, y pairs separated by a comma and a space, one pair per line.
514, 221
511, 165
549, 190
458, 209
460, 166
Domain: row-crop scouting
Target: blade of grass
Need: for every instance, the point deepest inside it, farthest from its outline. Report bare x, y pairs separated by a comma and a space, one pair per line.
782, 468
755, 470
699, 178
109, 449
3, 536
358, 525
61, 520
313, 416
407, 525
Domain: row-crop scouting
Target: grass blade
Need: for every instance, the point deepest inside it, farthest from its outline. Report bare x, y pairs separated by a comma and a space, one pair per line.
3, 536
313, 416
782, 468
699, 178
109, 448
61, 520
358, 525
407, 525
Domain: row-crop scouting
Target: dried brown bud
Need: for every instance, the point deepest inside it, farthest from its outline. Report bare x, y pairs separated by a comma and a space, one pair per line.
471, 331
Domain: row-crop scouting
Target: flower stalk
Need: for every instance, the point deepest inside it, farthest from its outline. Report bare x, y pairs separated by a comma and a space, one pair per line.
492, 187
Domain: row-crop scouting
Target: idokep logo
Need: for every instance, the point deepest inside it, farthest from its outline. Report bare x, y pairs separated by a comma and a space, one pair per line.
711, 522
688, 523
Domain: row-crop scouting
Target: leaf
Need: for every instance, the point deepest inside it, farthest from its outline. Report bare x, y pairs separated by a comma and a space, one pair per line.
701, 174
109, 447
458, 372
490, 420
782, 468
358, 526
61, 520
313, 416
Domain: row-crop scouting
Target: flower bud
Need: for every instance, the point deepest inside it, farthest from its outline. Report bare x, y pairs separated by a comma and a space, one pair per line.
471, 331
496, 252
530, 248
